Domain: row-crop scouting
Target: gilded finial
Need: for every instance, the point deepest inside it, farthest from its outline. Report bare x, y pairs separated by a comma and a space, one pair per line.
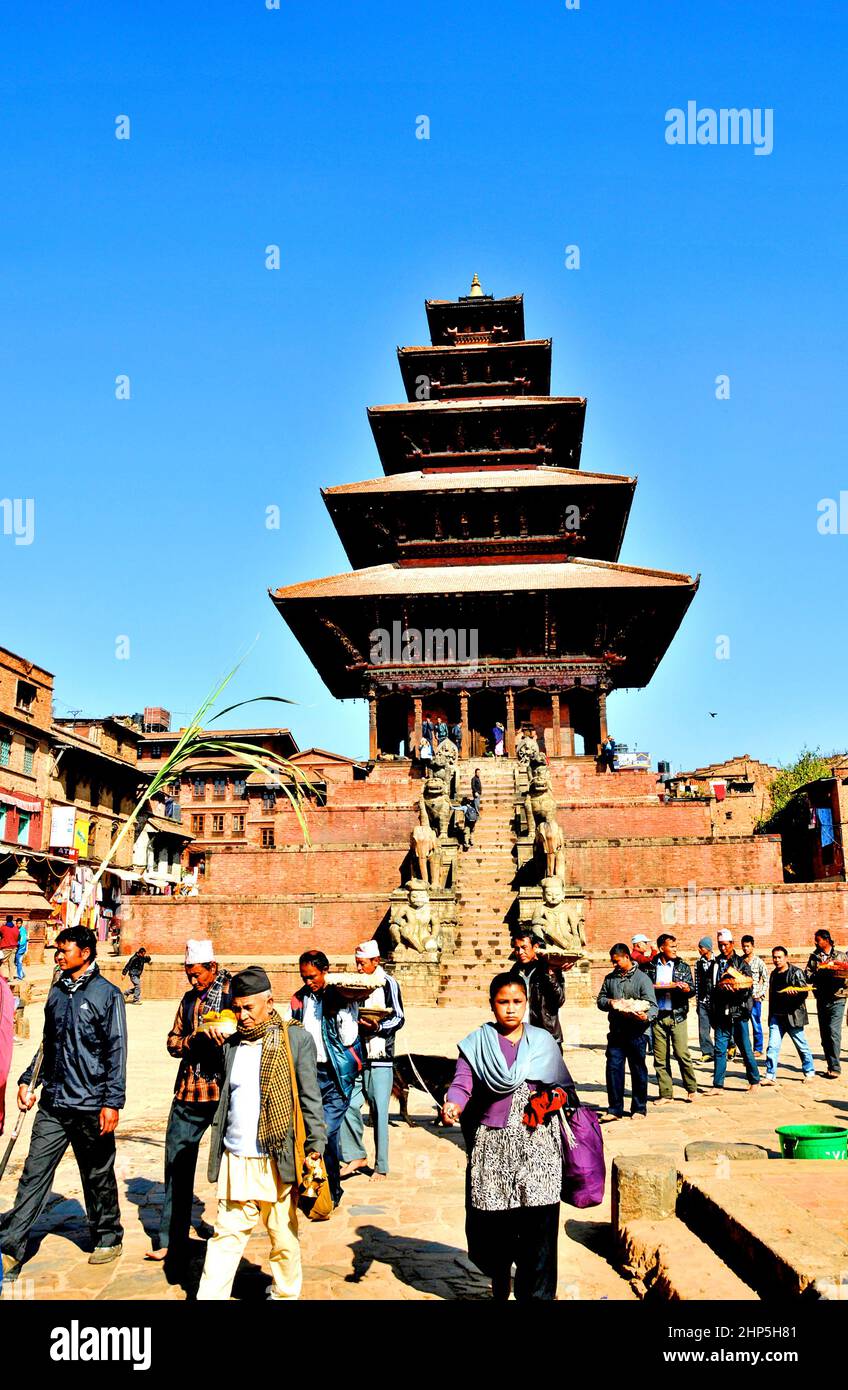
476, 291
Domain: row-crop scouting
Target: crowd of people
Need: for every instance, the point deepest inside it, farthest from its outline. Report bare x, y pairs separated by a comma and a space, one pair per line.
282, 1096
648, 993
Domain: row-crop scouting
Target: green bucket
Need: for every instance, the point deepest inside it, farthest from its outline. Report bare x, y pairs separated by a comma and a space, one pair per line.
813, 1141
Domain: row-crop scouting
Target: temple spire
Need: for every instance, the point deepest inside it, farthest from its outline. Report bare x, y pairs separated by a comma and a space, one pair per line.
476, 291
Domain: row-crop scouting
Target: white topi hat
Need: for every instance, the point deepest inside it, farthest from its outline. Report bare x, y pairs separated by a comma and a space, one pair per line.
199, 952
725, 936
635, 939
367, 950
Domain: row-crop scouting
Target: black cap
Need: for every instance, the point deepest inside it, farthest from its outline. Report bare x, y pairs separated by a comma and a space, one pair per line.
253, 980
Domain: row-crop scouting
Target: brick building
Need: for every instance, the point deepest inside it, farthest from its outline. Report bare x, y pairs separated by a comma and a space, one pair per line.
737, 792
26, 707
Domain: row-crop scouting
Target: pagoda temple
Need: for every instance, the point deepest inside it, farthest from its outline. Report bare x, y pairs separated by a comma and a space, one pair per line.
485, 585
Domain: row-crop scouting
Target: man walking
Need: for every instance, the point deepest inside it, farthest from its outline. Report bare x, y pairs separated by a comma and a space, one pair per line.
787, 1014
374, 1082
831, 992
477, 788
196, 1095
673, 984
21, 949
759, 974
543, 982
627, 995
252, 1153
730, 1008
83, 1088
134, 969
703, 975
470, 816
9, 936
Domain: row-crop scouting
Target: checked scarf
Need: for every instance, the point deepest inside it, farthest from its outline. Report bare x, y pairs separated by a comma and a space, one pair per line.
275, 1089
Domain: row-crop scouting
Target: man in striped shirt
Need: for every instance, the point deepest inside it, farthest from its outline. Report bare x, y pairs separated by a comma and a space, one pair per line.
196, 1095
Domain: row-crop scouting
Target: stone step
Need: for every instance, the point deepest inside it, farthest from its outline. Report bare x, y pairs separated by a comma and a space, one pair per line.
668, 1262
772, 1242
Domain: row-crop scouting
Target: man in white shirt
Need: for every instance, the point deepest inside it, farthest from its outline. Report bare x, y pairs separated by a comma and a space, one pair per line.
252, 1152
673, 986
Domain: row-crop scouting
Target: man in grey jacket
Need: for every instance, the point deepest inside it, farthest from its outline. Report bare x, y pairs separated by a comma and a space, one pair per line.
252, 1150
627, 995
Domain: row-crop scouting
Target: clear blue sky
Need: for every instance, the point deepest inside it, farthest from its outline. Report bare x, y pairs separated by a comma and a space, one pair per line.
249, 387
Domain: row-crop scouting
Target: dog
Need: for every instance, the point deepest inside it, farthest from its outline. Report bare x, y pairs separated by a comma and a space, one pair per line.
436, 1073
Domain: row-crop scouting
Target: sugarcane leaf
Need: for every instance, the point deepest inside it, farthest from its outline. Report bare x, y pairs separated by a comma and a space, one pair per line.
257, 699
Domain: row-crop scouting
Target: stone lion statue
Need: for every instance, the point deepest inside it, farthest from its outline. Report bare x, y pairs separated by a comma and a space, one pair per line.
540, 802
435, 804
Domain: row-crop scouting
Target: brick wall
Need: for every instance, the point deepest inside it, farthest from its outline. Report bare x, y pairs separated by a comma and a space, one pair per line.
610, 863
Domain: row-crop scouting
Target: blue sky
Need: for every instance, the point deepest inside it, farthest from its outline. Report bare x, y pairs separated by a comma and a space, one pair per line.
249, 387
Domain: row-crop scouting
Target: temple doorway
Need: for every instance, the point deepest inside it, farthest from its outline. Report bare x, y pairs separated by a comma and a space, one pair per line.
393, 727
485, 709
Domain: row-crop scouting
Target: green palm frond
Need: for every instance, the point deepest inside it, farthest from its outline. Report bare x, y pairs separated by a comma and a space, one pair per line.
193, 743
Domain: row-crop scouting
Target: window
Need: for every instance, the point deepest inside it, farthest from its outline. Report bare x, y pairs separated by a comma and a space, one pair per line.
5, 747
217, 825
29, 755
220, 790
199, 789
238, 825
306, 916
23, 828
267, 837
2, 822
239, 788
269, 800
153, 750
25, 698
197, 825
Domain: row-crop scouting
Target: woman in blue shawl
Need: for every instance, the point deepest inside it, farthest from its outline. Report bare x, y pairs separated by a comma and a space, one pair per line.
510, 1080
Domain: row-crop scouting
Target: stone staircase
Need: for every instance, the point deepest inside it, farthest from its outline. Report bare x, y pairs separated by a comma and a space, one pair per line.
484, 878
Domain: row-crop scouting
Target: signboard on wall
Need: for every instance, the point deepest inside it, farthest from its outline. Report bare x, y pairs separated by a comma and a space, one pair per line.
62, 827
628, 760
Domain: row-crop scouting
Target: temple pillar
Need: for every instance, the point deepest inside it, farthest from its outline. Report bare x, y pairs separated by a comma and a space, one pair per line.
602, 713
555, 723
373, 751
417, 735
465, 745
566, 732
510, 722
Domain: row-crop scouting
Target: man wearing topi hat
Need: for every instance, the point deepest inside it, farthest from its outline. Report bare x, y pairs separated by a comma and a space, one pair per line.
252, 1154
374, 1083
196, 1094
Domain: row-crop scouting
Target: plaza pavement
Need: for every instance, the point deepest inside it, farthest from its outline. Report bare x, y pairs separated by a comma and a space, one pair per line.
398, 1238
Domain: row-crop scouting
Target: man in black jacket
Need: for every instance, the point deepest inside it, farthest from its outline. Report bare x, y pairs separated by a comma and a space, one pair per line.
831, 993
731, 1001
83, 1083
544, 983
673, 986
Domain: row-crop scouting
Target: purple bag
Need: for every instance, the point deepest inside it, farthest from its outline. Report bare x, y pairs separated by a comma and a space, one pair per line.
584, 1168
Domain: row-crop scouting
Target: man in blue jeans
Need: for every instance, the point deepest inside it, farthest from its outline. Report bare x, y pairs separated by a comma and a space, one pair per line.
731, 1000
760, 978
627, 995
374, 1083
787, 1014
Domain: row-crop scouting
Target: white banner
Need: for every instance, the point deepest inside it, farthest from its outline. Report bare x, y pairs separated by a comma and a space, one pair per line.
62, 827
